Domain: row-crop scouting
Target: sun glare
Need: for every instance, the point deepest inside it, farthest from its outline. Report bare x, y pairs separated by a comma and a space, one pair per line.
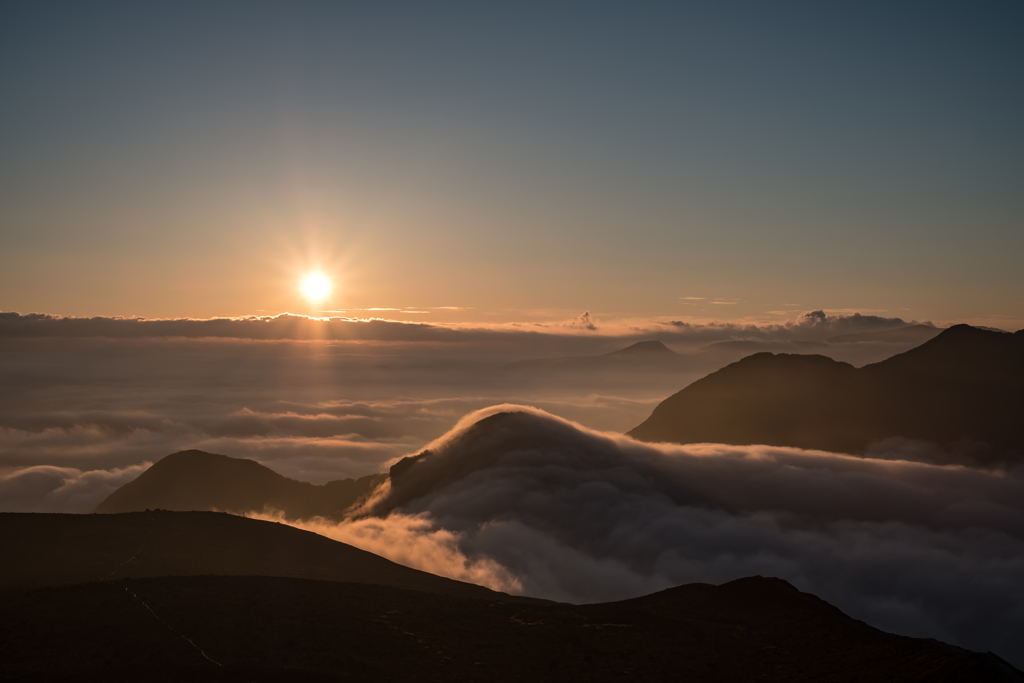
316, 287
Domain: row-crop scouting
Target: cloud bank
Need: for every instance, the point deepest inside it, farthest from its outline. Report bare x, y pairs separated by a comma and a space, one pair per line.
283, 326
575, 515
813, 325
810, 326
61, 489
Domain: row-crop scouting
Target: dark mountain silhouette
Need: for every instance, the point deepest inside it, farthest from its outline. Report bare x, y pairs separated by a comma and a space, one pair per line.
392, 623
644, 348
913, 334
905, 337
195, 480
963, 390
651, 355
750, 346
272, 629
57, 549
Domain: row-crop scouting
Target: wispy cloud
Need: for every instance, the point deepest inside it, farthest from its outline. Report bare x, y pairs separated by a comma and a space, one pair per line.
61, 489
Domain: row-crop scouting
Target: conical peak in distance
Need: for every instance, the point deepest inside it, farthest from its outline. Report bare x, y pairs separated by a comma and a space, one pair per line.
196, 480
645, 348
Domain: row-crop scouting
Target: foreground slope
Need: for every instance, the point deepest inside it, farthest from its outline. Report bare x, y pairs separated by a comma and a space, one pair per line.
964, 390
55, 550
196, 480
266, 629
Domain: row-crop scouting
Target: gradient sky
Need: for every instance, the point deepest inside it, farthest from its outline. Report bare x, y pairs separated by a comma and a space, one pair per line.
523, 162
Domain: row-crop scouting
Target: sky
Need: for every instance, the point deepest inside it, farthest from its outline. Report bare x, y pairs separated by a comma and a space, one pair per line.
526, 162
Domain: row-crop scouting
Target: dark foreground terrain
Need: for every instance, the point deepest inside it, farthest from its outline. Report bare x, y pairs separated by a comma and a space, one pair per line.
264, 628
58, 550
261, 628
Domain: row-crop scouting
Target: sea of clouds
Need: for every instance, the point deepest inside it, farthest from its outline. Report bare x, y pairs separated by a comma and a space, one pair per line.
812, 326
525, 502
528, 503
315, 399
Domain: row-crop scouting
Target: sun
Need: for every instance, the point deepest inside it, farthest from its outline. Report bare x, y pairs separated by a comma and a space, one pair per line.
316, 287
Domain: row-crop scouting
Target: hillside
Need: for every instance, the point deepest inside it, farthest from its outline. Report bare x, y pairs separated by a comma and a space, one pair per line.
911, 334
195, 480
270, 629
56, 550
964, 388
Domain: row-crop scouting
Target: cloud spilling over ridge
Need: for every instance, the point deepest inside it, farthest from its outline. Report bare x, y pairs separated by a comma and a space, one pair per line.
411, 540
582, 516
315, 410
309, 441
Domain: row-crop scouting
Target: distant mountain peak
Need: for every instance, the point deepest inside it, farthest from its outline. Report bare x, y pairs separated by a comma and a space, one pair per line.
964, 386
644, 348
196, 480
915, 334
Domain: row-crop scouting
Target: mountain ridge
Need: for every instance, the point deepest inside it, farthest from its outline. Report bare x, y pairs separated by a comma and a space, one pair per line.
64, 549
963, 386
197, 480
910, 333
177, 620
644, 348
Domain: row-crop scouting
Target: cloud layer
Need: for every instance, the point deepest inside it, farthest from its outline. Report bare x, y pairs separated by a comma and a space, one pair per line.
813, 325
61, 489
313, 410
532, 504
810, 326
321, 399
283, 326
582, 516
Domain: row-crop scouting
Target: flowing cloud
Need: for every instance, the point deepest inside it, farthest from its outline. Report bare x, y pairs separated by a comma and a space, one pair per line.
518, 500
582, 516
104, 393
61, 489
309, 441
413, 541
